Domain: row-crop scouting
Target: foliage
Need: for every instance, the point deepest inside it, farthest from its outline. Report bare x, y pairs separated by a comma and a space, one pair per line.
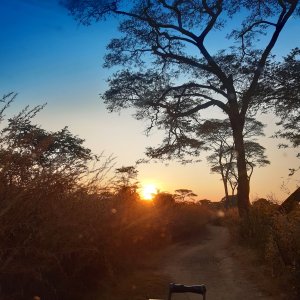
283, 93
170, 76
163, 199
64, 234
82, 245
276, 239
183, 219
34, 152
43, 178
188, 220
184, 195
218, 136
125, 175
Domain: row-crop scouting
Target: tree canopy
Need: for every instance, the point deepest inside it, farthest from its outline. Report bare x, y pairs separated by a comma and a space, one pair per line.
284, 94
31, 156
184, 195
170, 75
223, 158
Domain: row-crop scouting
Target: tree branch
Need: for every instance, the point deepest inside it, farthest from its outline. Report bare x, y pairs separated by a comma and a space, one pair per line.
216, 69
203, 106
283, 18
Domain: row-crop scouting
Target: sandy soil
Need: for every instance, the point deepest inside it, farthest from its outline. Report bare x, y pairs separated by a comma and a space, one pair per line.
210, 262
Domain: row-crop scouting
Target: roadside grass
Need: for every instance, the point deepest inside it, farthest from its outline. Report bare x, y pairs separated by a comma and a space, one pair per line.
142, 284
179, 223
75, 247
267, 245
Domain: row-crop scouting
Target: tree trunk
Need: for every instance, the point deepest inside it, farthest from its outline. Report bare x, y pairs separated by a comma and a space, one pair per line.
226, 191
224, 179
243, 188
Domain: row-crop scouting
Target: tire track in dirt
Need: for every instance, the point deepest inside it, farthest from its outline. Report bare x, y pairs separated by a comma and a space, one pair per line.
210, 262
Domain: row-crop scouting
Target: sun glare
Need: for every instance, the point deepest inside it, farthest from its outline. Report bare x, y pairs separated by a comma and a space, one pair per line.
148, 192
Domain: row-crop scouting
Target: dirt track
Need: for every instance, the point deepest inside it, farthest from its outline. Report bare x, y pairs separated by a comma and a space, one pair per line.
210, 262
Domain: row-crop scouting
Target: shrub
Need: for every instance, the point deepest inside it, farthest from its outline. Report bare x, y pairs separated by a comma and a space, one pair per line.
187, 220
276, 238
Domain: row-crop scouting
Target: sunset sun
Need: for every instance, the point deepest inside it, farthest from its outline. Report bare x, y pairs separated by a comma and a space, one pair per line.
148, 191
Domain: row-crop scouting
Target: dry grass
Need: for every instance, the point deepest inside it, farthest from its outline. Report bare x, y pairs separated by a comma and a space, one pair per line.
269, 248
145, 283
70, 246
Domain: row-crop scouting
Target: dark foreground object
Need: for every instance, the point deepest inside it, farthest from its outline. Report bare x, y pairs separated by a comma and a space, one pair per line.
291, 202
180, 288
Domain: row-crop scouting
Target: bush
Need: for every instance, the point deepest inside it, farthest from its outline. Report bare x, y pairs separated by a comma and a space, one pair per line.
276, 238
187, 220
61, 237
63, 248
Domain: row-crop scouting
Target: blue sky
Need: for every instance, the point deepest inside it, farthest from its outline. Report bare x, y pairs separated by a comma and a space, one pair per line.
46, 56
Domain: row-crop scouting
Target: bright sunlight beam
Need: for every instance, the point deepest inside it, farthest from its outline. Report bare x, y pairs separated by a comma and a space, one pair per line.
148, 191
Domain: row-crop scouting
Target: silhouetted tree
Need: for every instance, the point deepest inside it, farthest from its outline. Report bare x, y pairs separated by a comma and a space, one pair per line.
184, 194
163, 199
169, 75
125, 182
29, 152
53, 230
223, 160
218, 135
32, 157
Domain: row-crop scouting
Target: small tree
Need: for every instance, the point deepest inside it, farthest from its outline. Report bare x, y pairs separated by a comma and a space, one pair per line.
32, 157
29, 152
163, 199
125, 182
218, 136
184, 195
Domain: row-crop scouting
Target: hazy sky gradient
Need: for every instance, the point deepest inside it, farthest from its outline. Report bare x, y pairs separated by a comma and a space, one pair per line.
46, 56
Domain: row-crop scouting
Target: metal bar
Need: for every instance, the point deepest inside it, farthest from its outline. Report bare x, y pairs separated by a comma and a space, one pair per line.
180, 288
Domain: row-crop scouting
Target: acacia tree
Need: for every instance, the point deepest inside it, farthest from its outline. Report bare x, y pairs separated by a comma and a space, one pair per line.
224, 163
169, 75
218, 136
183, 194
125, 182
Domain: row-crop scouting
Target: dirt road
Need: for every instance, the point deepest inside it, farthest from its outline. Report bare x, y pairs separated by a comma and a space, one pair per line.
210, 262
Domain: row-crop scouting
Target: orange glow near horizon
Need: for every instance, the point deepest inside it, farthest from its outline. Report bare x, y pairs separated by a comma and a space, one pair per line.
148, 191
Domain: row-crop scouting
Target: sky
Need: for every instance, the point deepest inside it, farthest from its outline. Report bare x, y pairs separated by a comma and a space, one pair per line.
46, 57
